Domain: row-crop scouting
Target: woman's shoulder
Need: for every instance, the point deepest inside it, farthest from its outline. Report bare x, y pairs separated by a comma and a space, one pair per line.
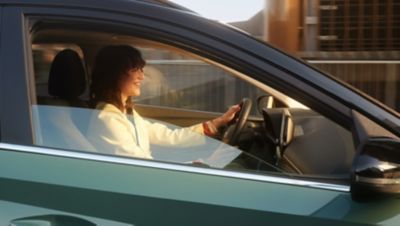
109, 111
104, 106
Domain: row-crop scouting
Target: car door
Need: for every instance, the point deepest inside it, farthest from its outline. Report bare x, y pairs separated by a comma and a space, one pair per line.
47, 184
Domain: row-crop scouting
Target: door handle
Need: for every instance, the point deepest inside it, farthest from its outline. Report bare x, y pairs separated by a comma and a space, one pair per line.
51, 220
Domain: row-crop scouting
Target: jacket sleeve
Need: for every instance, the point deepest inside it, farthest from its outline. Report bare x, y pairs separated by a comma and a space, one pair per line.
188, 136
111, 134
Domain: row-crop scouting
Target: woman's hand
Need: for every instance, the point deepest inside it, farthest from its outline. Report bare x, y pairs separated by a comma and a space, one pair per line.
227, 117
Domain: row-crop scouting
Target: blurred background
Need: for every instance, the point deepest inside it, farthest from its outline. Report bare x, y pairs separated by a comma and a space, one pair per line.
357, 41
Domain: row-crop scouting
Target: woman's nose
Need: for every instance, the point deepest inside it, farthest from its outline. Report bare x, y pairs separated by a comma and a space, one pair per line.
140, 74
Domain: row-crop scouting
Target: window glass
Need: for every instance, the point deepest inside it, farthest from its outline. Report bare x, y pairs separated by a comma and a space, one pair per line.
174, 79
180, 94
378, 78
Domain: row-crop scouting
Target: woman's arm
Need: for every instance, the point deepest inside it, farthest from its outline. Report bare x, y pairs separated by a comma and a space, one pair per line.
193, 135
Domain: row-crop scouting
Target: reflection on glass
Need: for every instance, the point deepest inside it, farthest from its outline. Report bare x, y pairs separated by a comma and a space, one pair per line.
66, 128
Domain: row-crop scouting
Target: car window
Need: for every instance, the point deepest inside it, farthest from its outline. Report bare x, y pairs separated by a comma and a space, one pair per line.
180, 93
174, 79
376, 78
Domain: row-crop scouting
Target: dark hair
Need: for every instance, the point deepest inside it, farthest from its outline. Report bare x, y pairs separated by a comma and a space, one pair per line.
111, 64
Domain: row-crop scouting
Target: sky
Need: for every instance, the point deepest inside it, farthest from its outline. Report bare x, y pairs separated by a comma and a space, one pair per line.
224, 10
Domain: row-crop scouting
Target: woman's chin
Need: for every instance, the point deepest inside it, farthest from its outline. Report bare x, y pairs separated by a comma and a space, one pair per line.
136, 94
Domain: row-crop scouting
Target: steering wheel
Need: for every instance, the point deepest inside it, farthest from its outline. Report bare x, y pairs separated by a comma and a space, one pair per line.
231, 135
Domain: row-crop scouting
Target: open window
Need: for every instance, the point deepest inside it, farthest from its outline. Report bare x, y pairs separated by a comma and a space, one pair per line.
182, 88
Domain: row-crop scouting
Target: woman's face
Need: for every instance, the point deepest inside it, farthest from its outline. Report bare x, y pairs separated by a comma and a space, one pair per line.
131, 82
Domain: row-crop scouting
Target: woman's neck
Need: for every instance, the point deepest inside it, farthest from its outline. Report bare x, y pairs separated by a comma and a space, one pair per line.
124, 100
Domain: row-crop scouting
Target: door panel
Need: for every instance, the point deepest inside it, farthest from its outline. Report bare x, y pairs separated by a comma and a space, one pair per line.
11, 213
143, 195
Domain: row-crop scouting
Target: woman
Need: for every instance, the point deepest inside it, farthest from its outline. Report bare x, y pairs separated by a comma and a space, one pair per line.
117, 128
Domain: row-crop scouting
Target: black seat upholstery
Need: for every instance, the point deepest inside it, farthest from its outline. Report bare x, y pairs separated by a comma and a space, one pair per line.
67, 80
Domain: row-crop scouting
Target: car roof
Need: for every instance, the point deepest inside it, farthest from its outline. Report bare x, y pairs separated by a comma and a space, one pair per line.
169, 4
97, 3
120, 6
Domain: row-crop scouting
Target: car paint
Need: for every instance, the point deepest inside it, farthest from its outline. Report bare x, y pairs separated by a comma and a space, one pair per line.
107, 190
154, 188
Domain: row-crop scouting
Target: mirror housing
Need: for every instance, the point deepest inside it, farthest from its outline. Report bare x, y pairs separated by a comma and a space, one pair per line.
265, 101
279, 128
376, 170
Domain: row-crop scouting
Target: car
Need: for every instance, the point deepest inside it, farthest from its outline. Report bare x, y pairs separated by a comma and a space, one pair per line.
306, 149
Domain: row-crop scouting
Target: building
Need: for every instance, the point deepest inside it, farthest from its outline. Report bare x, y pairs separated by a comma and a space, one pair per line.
355, 40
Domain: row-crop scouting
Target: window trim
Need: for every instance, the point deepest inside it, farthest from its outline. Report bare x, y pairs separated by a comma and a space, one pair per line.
173, 167
16, 117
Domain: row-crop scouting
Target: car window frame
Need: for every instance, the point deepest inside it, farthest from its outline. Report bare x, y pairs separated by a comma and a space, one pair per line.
1, 64
98, 20
327, 86
15, 126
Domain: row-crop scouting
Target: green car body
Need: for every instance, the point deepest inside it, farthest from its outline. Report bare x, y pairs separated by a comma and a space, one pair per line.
99, 190
48, 185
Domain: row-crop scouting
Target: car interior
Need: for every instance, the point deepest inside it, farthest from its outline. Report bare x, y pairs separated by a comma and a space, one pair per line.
289, 139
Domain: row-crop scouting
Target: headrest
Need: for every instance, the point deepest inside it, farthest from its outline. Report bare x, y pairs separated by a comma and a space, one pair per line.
67, 77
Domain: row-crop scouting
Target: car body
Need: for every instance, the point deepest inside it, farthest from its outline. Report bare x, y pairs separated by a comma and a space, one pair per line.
330, 152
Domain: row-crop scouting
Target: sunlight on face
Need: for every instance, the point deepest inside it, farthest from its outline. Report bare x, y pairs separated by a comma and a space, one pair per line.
130, 85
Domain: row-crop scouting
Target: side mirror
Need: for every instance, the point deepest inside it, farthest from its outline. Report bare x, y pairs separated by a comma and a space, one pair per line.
279, 127
265, 101
376, 170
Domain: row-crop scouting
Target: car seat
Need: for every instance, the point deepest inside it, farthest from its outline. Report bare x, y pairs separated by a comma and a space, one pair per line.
63, 117
67, 81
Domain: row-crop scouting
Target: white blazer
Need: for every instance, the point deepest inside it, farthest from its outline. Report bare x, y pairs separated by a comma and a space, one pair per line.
113, 132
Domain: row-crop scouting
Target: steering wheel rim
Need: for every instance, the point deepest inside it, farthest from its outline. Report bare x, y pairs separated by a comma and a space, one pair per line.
232, 133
